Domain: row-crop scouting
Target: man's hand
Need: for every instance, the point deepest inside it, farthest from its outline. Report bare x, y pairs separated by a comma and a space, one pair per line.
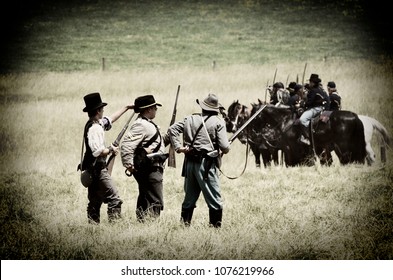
184, 150
130, 169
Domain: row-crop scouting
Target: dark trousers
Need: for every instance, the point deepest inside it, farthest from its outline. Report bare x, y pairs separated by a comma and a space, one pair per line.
150, 199
102, 190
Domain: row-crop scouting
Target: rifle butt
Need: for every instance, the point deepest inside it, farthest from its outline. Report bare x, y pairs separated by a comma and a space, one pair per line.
172, 157
110, 163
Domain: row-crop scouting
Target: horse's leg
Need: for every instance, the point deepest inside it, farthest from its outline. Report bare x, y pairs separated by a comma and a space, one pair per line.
257, 159
344, 157
328, 156
266, 157
275, 156
370, 154
257, 155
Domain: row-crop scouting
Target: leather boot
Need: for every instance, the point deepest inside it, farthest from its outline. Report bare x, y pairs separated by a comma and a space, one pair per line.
156, 211
93, 218
215, 217
114, 214
186, 216
93, 214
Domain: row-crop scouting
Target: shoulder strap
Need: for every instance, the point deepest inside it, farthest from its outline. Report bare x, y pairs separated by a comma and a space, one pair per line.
155, 136
199, 129
207, 133
83, 145
88, 124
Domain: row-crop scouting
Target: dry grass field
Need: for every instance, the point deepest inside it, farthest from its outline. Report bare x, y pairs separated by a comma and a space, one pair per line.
337, 212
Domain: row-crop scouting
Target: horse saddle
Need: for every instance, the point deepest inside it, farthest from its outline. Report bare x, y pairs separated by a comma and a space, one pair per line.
323, 117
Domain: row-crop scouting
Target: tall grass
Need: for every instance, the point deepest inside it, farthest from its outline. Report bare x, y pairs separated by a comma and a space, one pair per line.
337, 212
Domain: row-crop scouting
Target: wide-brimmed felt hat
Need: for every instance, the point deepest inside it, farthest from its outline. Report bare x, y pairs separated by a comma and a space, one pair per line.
210, 103
143, 102
93, 101
315, 78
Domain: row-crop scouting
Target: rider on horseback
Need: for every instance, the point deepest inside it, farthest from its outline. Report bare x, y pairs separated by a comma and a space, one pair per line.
317, 101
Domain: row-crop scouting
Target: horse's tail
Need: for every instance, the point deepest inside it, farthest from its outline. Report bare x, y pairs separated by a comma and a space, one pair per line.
361, 143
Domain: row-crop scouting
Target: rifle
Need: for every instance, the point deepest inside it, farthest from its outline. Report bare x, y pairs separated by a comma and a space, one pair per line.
266, 90
172, 155
304, 73
116, 143
274, 78
237, 132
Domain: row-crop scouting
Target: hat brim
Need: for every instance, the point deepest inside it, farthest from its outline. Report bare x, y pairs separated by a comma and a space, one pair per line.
138, 109
206, 107
88, 109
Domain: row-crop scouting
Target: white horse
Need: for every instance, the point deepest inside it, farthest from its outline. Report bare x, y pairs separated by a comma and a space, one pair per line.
370, 124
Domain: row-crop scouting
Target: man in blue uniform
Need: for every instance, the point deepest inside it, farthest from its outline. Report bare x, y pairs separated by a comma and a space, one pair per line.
317, 101
335, 98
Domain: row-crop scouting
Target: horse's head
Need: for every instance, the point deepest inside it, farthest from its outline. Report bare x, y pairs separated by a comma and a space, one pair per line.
236, 112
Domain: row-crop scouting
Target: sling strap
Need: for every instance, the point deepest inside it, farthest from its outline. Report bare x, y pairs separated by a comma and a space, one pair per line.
155, 136
199, 129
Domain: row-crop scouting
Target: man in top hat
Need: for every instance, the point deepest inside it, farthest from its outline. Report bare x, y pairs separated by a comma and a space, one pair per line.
335, 98
144, 138
204, 137
317, 101
102, 189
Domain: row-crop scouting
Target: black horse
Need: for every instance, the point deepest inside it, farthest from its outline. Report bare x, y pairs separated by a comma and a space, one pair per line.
237, 115
341, 132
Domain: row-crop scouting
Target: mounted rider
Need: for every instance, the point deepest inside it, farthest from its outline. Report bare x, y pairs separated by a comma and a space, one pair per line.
335, 98
317, 101
273, 92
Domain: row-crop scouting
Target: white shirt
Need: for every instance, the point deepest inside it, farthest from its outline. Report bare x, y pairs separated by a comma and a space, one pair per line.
96, 137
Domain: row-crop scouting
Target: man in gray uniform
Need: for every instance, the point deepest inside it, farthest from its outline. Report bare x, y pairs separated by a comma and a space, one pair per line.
142, 139
204, 136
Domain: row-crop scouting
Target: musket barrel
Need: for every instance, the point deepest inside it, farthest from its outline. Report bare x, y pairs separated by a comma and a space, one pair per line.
118, 138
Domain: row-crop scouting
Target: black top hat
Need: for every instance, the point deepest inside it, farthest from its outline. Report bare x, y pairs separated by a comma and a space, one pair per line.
210, 103
315, 78
93, 101
331, 85
143, 102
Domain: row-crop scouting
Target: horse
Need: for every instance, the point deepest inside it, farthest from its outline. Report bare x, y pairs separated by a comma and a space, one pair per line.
370, 126
236, 116
343, 133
